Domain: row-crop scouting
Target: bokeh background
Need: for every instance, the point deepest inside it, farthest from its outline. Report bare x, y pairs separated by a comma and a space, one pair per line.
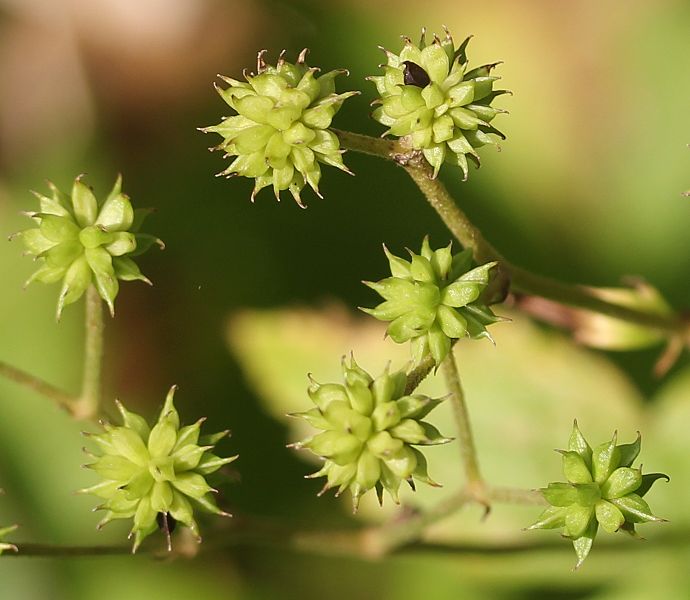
248, 298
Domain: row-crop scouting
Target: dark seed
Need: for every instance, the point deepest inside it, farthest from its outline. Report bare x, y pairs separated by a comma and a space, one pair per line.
415, 75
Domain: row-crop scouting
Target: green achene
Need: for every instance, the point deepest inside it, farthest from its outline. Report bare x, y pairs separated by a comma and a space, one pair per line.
81, 240
603, 490
281, 132
155, 476
432, 299
369, 427
430, 98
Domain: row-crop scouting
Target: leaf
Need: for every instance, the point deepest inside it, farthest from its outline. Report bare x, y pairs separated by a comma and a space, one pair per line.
550, 381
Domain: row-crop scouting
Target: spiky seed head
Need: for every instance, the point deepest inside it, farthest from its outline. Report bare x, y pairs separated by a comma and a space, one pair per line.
369, 430
155, 476
603, 490
432, 100
80, 240
432, 299
280, 133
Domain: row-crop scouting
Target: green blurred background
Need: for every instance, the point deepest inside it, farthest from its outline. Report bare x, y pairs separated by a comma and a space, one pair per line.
248, 298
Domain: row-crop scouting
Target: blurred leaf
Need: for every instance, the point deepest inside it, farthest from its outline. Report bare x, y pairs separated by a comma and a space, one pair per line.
666, 447
601, 331
522, 395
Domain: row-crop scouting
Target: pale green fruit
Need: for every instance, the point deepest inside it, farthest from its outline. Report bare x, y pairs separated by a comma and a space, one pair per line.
155, 476
431, 99
369, 429
433, 299
280, 135
81, 240
603, 490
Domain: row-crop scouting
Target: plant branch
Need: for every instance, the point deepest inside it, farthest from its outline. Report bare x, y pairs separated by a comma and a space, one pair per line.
362, 542
317, 544
470, 236
418, 374
36, 384
90, 399
379, 541
87, 404
44, 550
366, 144
468, 451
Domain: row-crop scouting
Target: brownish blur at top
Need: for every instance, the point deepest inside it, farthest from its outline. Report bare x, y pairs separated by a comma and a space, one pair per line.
61, 61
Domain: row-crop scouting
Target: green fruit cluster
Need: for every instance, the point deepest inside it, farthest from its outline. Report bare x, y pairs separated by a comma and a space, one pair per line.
431, 99
369, 429
80, 240
432, 299
280, 133
155, 476
603, 490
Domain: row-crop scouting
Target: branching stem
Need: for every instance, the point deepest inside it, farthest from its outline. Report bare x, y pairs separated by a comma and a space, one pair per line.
468, 451
90, 399
36, 384
368, 542
470, 236
85, 406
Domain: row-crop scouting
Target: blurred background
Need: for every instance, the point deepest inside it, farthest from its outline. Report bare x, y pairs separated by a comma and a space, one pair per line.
249, 298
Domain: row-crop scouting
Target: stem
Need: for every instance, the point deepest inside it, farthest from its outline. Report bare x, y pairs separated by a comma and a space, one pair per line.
300, 541
86, 405
468, 451
418, 374
370, 145
25, 550
368, 542
471, 237
580, 297
90, 398
506, 495
36, 384
454, 218
382, 540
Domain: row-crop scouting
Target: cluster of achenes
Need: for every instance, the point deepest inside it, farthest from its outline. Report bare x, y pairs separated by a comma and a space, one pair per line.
428, 97
369, 429
433, 101
281, 133
156, 476
432, 299
602, 490
80, 240
279, 136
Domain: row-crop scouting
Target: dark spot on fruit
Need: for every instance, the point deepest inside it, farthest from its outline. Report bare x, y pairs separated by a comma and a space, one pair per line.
414, 75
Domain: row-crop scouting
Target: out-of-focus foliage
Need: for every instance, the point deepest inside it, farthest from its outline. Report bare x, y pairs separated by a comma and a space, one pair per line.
587, 188
550, 381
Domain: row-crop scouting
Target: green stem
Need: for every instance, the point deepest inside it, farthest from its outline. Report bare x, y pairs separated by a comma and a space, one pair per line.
382, 540
368, 542
581, 297
468, 451
418, 374
26, 550
90, 398
36, 384
470, 236
356, 546
365, 144
454, 218
86, 406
